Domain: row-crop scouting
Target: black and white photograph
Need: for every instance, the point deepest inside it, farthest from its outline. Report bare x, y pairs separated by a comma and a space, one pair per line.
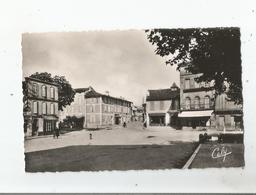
140, 99
128, 96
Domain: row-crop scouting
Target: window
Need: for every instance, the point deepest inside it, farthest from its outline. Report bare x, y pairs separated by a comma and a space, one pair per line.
152, 105
44, 108
187, 83
197, 102
196, 84
52, 92
187, 103
35, 107
207, 102
52, 109
91, 109
44, 91
35, 89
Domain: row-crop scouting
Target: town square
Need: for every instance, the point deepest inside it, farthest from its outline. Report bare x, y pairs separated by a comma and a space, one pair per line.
92, 104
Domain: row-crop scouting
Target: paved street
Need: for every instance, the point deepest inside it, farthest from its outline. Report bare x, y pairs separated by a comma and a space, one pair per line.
134, 134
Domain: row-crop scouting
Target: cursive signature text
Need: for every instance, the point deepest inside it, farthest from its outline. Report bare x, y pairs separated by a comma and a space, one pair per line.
221, 152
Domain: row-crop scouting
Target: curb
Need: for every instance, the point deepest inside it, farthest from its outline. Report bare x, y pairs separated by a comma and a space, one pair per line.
192, 157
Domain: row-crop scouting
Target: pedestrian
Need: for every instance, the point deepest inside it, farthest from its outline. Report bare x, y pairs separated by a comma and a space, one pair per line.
57, 132
124, 124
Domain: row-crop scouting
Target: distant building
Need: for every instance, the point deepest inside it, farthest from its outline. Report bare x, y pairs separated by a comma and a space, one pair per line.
97, 110
162, 106
137, 113
196, 101
40, 107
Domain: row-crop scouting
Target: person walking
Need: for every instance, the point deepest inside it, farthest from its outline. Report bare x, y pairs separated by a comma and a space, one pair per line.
57, 130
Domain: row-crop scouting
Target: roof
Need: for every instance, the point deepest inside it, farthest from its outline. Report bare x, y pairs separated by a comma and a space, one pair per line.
162, 94
174, 85
81, 90
93, 93
41, 81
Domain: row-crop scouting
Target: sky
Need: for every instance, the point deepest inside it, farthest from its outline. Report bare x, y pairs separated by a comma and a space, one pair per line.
121, 62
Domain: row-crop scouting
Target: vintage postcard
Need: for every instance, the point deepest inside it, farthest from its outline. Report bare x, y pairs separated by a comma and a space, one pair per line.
152, 99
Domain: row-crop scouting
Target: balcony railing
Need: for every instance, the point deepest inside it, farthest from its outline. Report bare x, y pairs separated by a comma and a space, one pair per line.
197, 106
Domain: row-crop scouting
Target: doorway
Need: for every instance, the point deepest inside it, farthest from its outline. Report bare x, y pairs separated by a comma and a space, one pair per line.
34, 126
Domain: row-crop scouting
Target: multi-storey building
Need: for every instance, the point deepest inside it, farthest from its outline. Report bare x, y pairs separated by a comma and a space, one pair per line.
200, 107
40, 107
77, 107
229, 116
98, 110
162, 106
196, 101
104, 110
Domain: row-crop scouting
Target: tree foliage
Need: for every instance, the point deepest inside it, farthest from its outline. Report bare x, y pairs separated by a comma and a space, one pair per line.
214, 52
65, 91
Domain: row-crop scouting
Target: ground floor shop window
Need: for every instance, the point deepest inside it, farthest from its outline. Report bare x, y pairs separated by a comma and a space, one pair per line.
194, 122
157, 120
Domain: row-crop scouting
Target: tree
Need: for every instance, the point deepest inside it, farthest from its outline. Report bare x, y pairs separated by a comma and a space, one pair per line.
214, 52
65, 92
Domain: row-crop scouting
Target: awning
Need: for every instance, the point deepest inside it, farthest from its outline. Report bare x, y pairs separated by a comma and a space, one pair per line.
203, 113
156, 114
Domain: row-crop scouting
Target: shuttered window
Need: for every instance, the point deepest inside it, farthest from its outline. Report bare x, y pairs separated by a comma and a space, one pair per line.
44, 108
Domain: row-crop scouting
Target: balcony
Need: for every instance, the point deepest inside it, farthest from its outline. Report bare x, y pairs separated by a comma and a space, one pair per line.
197, 107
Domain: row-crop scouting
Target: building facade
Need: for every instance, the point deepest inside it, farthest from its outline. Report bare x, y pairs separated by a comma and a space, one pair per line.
228, 115
199, 107
162, 106
97, 110
196, 101
77, 107
104, 110
40, 107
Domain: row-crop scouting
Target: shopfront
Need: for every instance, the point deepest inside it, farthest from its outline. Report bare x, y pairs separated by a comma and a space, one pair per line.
157, 119
195, 118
